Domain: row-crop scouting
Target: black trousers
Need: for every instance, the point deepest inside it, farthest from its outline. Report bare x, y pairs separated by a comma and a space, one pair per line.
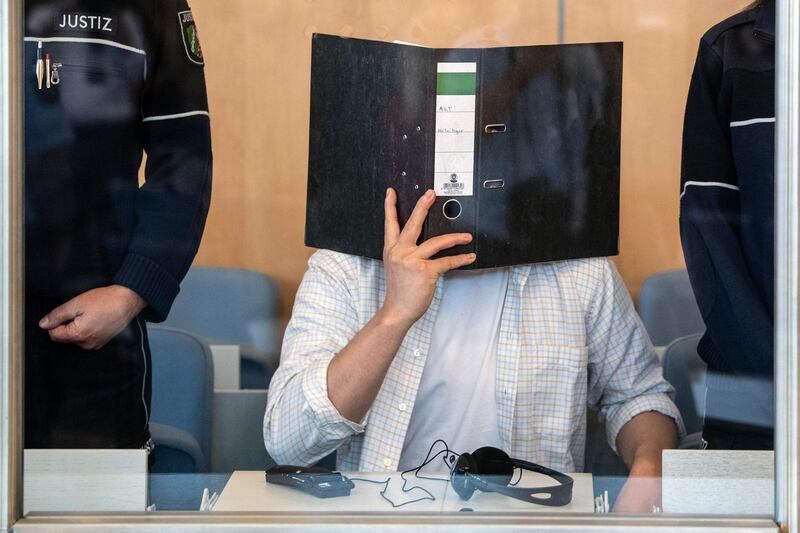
731, 436
76, 398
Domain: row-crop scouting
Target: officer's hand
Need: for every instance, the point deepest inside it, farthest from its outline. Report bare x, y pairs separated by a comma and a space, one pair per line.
94, 317
410, 273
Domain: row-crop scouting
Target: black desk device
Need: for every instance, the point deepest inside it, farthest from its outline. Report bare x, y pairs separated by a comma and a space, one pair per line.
316, 481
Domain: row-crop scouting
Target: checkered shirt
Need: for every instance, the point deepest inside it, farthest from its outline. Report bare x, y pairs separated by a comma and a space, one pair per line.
569, 337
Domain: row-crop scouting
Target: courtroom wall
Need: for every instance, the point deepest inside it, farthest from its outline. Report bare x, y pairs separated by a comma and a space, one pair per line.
257, 69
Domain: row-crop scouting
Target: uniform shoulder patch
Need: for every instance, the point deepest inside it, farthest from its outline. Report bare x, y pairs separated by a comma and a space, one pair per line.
191, 42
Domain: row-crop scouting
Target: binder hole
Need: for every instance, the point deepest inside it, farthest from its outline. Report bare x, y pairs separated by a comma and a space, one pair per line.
403, 173
495, 128
416, 187
419, 128
452, 209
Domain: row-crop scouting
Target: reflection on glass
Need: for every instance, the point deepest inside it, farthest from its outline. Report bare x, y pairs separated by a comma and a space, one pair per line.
382, 358
727, 225
104, 255
532, 387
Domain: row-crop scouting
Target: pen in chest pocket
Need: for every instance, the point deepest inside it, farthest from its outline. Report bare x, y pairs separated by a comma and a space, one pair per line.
47, 68
39, 65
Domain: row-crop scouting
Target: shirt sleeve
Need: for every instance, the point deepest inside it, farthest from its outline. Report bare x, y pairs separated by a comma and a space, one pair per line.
172, 205
738, 322
625, 377
301, 425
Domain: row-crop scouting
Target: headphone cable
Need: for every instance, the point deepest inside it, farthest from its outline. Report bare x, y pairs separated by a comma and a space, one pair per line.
428, 459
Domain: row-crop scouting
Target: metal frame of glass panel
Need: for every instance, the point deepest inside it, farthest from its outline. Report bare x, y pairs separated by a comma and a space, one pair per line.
787, 218
11, 242
787, 253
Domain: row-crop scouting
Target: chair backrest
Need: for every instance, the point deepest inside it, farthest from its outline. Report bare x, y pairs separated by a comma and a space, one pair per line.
668, 308
238, 441
230, 306
683, 368
183, 387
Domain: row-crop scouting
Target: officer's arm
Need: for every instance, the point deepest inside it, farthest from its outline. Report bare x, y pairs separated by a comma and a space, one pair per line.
710, 225
172, 205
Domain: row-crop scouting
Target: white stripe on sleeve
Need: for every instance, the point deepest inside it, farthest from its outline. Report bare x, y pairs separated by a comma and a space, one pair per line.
176, 115
740, 123
708, 184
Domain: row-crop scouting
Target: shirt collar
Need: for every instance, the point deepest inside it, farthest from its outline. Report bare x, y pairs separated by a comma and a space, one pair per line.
765, 21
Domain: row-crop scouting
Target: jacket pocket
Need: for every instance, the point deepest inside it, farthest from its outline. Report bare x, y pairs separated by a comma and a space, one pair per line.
88, 70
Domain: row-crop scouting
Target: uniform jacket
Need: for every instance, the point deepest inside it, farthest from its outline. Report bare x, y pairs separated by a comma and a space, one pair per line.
726, 214
126, 77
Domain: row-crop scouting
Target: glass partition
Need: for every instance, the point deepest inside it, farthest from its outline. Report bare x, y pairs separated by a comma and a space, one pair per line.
506, 260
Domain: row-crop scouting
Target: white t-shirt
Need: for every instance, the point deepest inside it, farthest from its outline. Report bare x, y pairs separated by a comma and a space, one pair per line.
456, 397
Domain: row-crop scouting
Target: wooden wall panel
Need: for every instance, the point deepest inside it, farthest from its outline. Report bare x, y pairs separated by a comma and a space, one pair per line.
661, 40
257, 69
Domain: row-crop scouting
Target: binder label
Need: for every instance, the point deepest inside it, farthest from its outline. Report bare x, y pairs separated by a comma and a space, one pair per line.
455, 128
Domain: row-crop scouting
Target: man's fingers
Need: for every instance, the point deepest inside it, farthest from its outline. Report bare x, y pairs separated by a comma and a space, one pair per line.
69, 333
58, 316
435, 245
413, 227
452, 262
391, 227
65, 333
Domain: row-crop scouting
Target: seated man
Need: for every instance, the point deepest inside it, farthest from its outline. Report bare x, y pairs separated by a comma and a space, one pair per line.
382, 358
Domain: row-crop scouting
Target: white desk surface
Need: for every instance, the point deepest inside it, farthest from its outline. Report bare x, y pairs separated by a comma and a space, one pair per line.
248, 491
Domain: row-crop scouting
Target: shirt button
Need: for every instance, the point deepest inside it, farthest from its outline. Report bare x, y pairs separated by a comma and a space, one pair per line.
507, 391
387, 462
417, 353
402, 407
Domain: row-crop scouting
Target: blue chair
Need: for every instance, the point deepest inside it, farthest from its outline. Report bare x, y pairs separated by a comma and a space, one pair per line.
684, 369
668, 308
233, 306
183, 388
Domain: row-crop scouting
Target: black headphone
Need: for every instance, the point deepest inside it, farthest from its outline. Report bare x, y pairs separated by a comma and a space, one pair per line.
490, 469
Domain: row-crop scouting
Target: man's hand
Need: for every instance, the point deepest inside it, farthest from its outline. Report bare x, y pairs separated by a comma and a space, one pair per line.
356, 373
642, 490
411, 274
94, 317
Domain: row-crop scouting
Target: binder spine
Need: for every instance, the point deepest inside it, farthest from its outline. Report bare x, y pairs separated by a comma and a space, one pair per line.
454, 178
